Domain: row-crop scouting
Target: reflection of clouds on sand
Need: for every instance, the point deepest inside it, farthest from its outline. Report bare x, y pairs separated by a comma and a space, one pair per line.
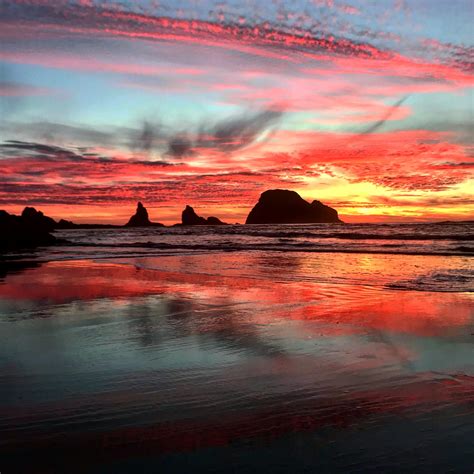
249, 309
211, 328
178, 353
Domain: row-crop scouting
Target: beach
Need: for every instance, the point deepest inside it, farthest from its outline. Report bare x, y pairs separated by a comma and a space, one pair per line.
236, 237
237, 361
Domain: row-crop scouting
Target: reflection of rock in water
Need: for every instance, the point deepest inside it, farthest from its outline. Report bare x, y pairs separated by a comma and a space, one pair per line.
150, 319
12, 267
144, 321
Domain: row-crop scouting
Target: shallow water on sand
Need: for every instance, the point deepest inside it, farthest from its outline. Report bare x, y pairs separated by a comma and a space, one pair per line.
238, 362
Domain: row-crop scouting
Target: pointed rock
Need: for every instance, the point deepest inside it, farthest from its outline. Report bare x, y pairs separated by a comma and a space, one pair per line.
189, 217
140, 218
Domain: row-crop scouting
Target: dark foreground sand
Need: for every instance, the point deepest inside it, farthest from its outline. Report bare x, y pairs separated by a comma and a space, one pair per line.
238, 362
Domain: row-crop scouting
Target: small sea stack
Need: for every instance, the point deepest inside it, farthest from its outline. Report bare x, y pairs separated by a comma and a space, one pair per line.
141, 219
189, 217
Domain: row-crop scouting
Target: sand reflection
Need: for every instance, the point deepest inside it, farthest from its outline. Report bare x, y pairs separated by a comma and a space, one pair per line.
178, 354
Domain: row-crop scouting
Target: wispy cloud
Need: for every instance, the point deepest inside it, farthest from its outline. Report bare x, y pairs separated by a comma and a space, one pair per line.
379, 123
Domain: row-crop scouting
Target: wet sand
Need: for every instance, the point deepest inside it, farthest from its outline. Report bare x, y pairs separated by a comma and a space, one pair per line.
236, 363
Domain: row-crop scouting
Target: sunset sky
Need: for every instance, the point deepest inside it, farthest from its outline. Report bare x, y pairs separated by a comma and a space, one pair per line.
364, 105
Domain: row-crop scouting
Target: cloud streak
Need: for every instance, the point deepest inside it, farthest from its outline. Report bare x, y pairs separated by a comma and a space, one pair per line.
379, 123
276, 39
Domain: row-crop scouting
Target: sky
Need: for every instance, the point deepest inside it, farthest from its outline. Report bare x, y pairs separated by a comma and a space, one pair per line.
366, 106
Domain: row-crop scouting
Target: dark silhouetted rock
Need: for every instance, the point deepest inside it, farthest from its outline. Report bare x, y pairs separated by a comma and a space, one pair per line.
281, 206
211, 220
64, 224
36, 219
189, 217
31, 229
140, 218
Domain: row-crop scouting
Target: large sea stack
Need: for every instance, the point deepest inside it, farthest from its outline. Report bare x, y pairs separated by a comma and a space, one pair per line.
281, 206
189, 217
140, 218
31, 229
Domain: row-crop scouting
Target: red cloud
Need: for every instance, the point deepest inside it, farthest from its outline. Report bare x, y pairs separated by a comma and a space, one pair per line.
397, 161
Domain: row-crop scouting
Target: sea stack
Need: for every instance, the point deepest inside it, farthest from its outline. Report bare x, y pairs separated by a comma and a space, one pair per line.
140, 218
36, 219
281, 206
31, 229
189, 217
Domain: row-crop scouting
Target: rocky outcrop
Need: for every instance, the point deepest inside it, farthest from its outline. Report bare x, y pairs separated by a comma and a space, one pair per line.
31, 229
281, 206
189, 217
65, 224
211, 220
37, 219
140, 218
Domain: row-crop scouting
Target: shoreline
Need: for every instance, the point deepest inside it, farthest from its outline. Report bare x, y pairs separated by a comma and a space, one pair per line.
415, 277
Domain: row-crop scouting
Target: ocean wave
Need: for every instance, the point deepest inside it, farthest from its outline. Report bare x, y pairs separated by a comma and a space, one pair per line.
352, 232
450, 239
283, 246
453, 280
465, 249
359, 236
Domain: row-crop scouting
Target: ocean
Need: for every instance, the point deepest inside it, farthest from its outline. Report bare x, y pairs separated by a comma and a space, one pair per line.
277, 348
416, 239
